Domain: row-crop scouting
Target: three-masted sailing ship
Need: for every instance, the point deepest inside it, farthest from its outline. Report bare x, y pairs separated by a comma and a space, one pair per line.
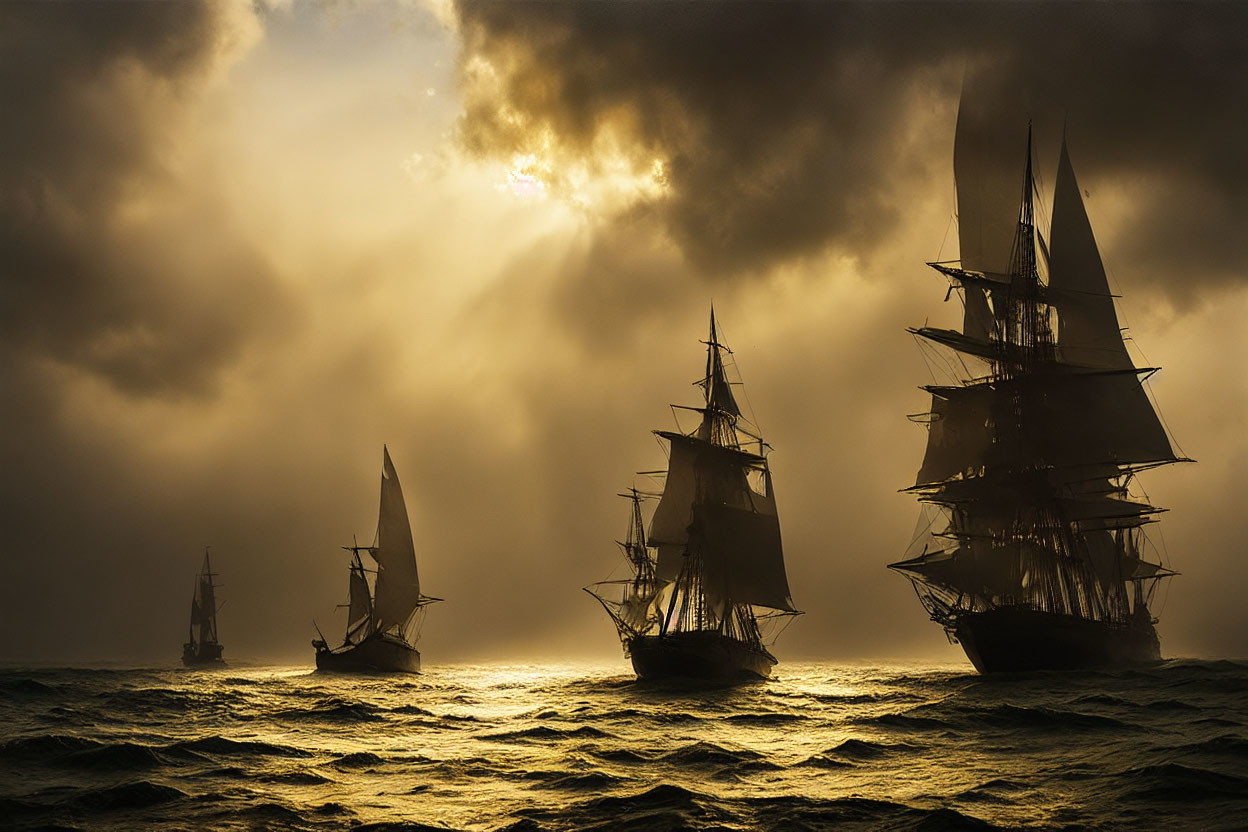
204, 651
380, 634
1031, 550
713, 557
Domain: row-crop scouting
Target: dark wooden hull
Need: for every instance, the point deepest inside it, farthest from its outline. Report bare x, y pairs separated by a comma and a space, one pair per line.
203, 655
703, 656
375, 654
1017, 639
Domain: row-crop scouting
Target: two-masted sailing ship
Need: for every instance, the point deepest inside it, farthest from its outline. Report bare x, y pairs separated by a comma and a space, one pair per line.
712, 567
204, 651
382, 619
1031, 550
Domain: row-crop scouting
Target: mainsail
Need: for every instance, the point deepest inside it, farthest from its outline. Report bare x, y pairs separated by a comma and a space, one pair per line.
397, 590
1029, 467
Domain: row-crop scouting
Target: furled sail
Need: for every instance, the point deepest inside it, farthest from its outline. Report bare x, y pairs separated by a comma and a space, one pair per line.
397, 593
1088, 332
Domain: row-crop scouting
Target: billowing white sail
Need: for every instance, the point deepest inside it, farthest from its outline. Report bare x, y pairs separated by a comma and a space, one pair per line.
397, 592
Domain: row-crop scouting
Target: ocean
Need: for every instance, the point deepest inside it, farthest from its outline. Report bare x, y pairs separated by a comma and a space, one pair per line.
494, 747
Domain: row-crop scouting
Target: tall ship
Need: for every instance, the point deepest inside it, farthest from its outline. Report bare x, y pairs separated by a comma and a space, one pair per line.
204, 651
710, 573
1031, 551
383, 619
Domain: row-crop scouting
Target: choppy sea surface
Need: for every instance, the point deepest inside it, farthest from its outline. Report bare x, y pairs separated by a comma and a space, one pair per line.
820, 746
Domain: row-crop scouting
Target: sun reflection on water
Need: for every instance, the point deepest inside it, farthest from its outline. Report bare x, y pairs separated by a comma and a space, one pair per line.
566, 747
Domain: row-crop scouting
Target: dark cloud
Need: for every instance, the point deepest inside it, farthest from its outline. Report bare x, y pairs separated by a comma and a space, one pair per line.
110, 262
793, 127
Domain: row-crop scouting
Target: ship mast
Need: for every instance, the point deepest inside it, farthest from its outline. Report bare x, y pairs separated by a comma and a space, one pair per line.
718, 538
207, 602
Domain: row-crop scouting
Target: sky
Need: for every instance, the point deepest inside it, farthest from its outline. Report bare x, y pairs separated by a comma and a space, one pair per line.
243, 246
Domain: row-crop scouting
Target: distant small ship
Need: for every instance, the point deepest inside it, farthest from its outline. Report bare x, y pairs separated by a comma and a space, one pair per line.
1031, 551
689, 609
206, 651
377, 639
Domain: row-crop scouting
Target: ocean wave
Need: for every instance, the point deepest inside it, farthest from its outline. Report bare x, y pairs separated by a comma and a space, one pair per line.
799, 812
1176, 783
545, 732
905, 722
333, 709
709, 754
295, 778
856, 749
140, 794
45, 746
766, 718
594, 781
819, 750
358, 759
223, 746
24, 687
619, 755
117, 756
1226, 745
1039, 717
399, 826
1171, 705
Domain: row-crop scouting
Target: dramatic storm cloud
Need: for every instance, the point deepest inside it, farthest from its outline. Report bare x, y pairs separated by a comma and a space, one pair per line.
243, 246
784, 128
90, 196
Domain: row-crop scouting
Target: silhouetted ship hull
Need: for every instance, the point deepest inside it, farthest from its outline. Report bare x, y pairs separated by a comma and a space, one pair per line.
380, 617
696, 655
713, 554
1012, 640
206, 655
376, 654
